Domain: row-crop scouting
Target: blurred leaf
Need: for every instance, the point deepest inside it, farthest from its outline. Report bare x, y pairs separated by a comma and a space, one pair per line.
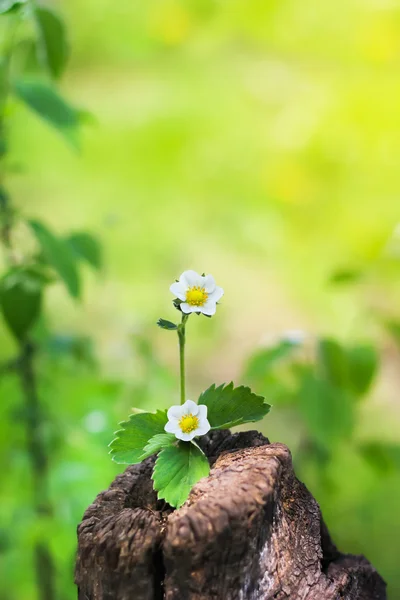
327, 410
345, 276
157, 443
127, 447
266, 358
52, 46
229, 406
164, 324
20, 300
45, 101
86, 247
383, 457
333, 362
362, 367
177, 470
393, 327
8, 5
59, 255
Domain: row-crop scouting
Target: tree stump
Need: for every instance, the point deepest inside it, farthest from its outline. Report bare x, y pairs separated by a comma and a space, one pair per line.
249, 531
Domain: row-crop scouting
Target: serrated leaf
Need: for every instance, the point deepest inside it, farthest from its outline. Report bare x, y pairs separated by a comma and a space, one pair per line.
164, 324
20, 301
157, 443
229, 406
86, 247
52, 41
59, 255
128, 447
363, 363
45, 101
177, 470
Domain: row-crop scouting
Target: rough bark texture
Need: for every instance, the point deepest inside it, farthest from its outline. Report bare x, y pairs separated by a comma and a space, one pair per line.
250, 531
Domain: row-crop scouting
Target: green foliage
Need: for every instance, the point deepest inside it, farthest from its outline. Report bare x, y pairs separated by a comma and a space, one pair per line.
263, 360
21, 300
164, 324
52, 41
45, 101
328, 411
87, 248
229, 406
59, 255
363, 363
9, 5
177, 470
129, 445
346, 277
332, 361
157, 443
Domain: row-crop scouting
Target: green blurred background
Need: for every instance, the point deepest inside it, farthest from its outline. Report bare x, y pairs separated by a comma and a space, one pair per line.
258, 141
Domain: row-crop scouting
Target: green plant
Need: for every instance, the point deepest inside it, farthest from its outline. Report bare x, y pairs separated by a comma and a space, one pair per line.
33, 54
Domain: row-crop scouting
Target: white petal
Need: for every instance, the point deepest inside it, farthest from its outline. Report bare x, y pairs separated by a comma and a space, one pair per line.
186, 308
172, 427
175, 412
202, 411
179, 290
216, 295
209, 284
190, 408
191, 279
209, 308
203, 428
186, 437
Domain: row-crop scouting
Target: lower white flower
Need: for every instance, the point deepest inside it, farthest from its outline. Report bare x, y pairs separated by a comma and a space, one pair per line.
199, 293
187, 420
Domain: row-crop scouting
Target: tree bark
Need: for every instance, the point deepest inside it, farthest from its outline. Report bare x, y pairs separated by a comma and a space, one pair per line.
249, 531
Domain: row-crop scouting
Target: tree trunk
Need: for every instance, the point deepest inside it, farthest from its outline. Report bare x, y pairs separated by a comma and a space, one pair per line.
249, 531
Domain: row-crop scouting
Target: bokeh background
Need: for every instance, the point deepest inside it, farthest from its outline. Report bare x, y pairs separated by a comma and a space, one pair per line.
258, 141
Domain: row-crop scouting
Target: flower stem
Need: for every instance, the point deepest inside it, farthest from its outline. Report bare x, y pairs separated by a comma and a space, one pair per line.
182, 340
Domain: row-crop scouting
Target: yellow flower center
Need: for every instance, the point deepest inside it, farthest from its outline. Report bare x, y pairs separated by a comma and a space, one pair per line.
196, 296
188, 423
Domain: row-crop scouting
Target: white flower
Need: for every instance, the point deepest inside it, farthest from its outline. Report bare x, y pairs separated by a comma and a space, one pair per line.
198, 294
187, 420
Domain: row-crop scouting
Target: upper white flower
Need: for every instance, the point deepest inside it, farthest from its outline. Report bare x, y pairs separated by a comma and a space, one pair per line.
198, 293
187, 420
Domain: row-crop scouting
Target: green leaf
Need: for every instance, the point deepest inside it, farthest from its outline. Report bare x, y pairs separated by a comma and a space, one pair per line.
265, 359
46, 102
52, 41
229, 406
157, 443
382, 457
328, 411
164, 324
393, 328
20, 301
363, 363
177, 470
59, 255
345, 276
86, 247
8, 5
128, 447
333, 362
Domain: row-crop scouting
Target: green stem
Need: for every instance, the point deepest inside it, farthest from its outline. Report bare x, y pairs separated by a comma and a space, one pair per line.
45, 569
182, 341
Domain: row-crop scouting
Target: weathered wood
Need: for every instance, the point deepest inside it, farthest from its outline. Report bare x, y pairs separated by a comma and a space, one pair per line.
250, 531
